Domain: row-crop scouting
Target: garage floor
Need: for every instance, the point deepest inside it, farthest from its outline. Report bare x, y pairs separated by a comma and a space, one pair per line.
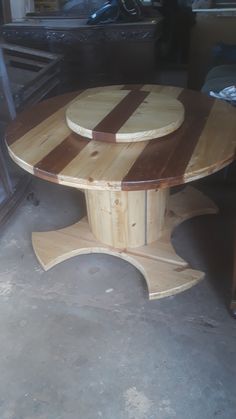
83, 342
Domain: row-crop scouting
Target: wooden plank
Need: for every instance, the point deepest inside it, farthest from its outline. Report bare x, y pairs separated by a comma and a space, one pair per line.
126, 219
125, 115
215, 144
203, 144
47, 135
6, 88
163, 279
167, 160
6, 8
136, 217
155, 213
24, 63
98, 162
29, 51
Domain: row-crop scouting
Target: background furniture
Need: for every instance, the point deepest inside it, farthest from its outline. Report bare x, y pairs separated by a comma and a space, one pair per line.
11, 191
210, 29
223, 69
32, 74
93, 55
130, 212
233, 294
26, 76
218, 78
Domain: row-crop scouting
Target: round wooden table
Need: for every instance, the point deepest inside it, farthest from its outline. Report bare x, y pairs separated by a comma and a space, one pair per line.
131, 213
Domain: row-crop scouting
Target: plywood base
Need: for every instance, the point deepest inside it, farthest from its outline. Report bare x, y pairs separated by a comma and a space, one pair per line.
164, 271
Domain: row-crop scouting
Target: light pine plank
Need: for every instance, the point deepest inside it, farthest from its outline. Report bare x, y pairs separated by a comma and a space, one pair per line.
136, 218
42, 139
171, 91
155, 213
99, 210
217, 142
126, 219
99, 164
85, 113
163, 279
156, 116
215, 149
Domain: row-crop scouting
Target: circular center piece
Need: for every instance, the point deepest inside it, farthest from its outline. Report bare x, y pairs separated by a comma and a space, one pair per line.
124, 115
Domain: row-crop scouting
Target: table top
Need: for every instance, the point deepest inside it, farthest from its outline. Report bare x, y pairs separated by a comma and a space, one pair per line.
40, 141
124, 116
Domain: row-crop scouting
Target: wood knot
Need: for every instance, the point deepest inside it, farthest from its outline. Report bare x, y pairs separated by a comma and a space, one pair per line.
94, 153
170, 213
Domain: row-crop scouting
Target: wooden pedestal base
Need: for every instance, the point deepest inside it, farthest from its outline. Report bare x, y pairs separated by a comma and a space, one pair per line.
123, 219
164, 271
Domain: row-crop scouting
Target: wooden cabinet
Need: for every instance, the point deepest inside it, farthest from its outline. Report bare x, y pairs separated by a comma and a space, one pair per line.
46, 5
94, 55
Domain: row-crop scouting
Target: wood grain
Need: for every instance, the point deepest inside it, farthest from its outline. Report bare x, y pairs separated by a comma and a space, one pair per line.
162, 279
164, 271
126, 219
125, 115
41, 143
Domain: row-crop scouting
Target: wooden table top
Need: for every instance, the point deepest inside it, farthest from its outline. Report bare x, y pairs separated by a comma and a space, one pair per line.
125, 116
40, 141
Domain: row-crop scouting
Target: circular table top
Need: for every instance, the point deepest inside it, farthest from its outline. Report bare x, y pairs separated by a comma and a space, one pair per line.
40, 141
125, 116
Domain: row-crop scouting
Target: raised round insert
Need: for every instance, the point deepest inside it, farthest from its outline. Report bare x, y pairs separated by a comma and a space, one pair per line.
124, 115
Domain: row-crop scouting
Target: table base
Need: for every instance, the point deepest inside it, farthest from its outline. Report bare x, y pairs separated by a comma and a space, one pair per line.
164, 271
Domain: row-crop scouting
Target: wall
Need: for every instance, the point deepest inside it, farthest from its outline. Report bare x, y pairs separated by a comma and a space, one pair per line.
20, 7
208, 31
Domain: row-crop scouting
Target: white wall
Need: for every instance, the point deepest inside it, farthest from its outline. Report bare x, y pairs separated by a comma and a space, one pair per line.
20, 7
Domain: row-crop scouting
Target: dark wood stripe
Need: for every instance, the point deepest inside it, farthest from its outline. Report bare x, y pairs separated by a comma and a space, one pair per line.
132, 86
198, 107
29, 119
163, 161
46, 176
108, 127
60, 156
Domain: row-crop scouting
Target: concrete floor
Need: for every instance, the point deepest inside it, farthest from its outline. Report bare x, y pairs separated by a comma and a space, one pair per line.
83, 342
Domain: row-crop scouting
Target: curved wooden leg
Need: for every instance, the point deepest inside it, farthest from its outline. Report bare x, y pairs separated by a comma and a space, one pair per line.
163, 279
164, 271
